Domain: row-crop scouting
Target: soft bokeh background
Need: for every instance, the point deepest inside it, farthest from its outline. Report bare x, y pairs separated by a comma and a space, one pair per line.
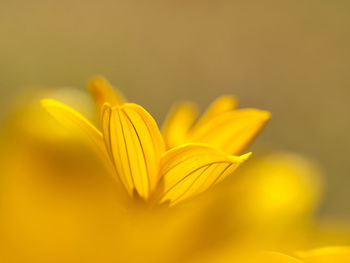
291, 57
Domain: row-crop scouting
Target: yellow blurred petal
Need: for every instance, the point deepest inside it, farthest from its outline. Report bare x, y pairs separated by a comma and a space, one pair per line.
326, 255
135, 146
73, 120
103, 92
193, 168
248, 256
276, 257
232, 131
178, 122
220, 105
278, 189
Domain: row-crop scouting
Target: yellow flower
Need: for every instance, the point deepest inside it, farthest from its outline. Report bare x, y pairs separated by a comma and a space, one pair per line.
56, 205
132, 143
222, 125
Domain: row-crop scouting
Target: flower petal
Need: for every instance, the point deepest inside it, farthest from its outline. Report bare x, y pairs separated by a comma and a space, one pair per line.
232, 131
220, 105
338, 254
135, 145
178, 123
74, 120
274, 257
103, 92
193, 168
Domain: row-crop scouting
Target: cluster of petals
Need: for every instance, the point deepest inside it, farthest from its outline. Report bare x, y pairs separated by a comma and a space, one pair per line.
186, 158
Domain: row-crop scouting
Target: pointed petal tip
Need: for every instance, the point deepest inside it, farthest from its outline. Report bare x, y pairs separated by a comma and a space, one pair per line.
226, 101
97, 80
188, 106
47, 102
102, 91
96, 84
242, 158
266, 115
246, 156
261, 116
227, 98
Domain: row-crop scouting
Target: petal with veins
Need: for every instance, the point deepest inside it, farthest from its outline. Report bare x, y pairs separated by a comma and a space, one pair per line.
135, 145
232, 131
72, 119
191, 169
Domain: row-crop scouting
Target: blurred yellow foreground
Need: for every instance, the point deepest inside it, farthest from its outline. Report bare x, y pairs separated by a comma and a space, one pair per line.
60, 202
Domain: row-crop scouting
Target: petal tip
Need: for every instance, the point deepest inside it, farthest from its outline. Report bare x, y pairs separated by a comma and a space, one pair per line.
106, 105
264, 115
228, 98
97, 80
46, 103
246, 156
242, 158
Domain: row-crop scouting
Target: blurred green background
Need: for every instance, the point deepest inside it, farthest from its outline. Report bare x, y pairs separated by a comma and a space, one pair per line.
291, 57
